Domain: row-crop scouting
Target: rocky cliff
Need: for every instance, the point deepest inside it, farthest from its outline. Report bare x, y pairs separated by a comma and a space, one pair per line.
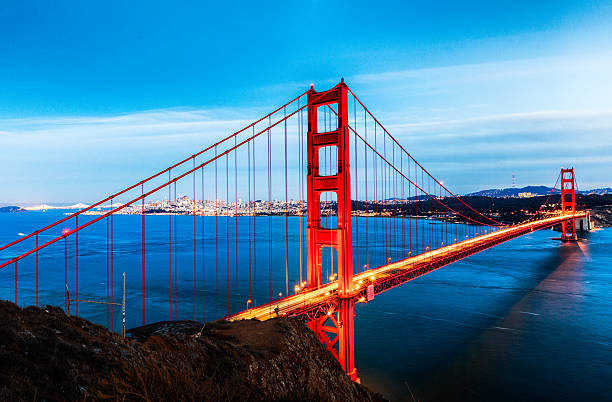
46, 355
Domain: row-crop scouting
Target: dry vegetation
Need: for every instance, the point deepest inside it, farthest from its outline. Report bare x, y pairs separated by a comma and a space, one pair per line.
46, 355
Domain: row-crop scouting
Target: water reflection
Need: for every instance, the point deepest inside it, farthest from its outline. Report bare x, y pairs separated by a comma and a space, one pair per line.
522, 322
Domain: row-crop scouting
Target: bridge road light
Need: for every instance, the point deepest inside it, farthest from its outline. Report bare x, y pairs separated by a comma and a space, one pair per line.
248, 302
280, 294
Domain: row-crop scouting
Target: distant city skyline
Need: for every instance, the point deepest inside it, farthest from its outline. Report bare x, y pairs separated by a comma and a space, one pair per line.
103, 95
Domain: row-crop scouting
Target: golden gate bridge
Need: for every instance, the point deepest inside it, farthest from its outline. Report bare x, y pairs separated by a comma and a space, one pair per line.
360, 216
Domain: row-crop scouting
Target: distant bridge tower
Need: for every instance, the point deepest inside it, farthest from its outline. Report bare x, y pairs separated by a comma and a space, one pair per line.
335, 329
568, 204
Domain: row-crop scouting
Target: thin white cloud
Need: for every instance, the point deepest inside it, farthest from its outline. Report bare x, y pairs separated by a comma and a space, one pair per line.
526, 117
162, 122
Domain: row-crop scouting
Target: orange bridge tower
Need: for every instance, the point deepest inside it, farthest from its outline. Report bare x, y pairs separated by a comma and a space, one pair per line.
568, 204
335, 330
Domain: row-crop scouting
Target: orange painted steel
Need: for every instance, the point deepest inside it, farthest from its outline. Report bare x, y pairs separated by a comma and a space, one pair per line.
568, 204
341, 237
327, 305
313, 304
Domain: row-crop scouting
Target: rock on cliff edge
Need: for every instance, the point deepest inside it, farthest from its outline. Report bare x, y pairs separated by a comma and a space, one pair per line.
47, 355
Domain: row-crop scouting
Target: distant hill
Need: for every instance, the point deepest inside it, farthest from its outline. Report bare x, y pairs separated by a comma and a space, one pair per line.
531, 191
11, 208
513, 192
44, 207
598, 191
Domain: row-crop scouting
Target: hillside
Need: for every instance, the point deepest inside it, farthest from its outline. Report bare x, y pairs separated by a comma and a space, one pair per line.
11, 208
534, 191
46, 355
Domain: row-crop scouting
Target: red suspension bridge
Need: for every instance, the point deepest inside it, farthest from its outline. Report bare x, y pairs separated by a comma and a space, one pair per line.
305, 212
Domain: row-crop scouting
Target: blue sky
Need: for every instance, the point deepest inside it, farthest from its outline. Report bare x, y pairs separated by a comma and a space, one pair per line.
477, 91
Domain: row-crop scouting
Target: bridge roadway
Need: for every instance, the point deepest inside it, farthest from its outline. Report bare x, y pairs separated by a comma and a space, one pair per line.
310, 304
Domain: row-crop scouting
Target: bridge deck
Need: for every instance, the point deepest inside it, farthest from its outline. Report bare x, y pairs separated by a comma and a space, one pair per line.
311, 304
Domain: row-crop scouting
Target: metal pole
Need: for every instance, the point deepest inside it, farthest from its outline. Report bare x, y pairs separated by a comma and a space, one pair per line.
123, 309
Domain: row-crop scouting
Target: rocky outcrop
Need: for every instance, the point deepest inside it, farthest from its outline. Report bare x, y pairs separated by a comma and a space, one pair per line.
46, 355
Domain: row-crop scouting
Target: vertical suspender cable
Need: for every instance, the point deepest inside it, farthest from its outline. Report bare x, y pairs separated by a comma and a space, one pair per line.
65, 276
356, 186
216, 234
431, 207
269, 209
254, 232
393, 173
376, 201
445, 222
142, 248
36, 269
249, 210
203, 255
15, 282
227, 233
236, 217
403, 204
286, 214
409, 213
170, 237
416, 211
107, 275
175, 257
422, 203
112, 270
299, 117
383, 184
76, 267
367, 206
195, 308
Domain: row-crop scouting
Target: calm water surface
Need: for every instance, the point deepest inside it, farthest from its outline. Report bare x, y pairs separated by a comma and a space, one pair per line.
530, 319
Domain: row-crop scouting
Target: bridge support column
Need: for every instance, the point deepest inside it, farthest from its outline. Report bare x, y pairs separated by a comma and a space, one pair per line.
346, 334
336, 332
340, 238
568, 204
